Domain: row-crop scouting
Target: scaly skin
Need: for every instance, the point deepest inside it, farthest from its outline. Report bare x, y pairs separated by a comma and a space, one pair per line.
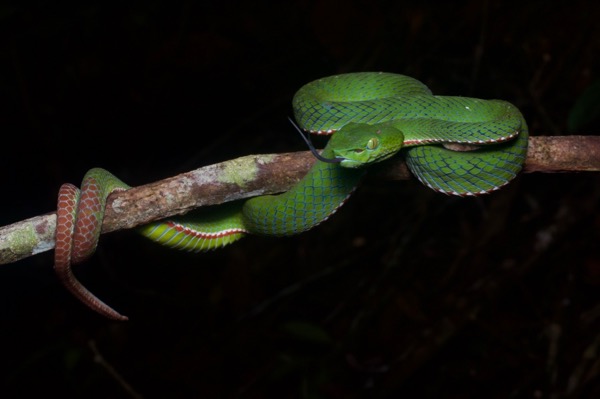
375, 115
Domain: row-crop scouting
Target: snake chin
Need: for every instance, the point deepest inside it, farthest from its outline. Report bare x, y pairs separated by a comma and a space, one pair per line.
357, 163
351, 163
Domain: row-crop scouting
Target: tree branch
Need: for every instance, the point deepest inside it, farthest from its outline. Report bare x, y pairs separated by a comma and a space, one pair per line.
255, 175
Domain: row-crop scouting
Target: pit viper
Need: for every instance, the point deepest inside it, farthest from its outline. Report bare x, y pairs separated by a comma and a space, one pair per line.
374, 116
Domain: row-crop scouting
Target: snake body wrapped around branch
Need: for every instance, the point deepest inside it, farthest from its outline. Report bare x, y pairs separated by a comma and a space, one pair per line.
374, 116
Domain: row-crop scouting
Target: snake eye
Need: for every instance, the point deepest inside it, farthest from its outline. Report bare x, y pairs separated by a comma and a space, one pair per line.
372, 143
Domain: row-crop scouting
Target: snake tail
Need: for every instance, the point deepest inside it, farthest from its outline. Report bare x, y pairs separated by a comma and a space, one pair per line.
79, 218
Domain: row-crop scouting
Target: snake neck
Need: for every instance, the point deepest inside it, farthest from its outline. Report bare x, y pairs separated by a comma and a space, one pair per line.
310, 202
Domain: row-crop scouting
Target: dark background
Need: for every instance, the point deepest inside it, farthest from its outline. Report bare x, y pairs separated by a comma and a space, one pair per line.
403, 293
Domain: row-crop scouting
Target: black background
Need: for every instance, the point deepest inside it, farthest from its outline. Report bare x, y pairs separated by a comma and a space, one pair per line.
403, 293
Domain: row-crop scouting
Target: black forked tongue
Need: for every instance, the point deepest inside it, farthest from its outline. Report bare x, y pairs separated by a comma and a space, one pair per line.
312, 148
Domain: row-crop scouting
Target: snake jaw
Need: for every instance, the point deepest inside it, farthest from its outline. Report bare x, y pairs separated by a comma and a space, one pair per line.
350, 163
360, 158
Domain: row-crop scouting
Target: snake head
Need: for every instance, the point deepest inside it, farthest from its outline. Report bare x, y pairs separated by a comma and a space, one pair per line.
357, 145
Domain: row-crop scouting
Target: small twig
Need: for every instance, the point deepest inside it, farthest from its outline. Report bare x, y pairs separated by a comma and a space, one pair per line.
99, 359
587, 369
255, 175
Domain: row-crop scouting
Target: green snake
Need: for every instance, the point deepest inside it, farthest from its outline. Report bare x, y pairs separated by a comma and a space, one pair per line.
374, 116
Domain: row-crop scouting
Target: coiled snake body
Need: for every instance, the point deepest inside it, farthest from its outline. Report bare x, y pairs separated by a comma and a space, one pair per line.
374, 115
